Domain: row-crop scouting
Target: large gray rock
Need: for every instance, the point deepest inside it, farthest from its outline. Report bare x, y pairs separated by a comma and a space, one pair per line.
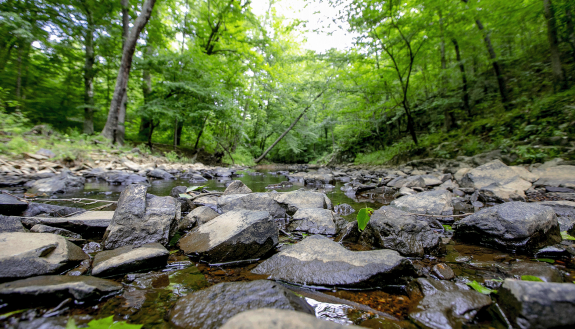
411, 181
513, 226
198, 216
88, 224
11, 224
543, 271
44, 209
317, 221
30, 254
436, 202
268, 318
487, 174
39, 228
317, 260
10, 206
311, 178
235, 235
116, 177
141, 219
446, 304
160, 174
61, 183
559, 176
50, 290
252, 201
237, 187
530, 304
512, 189
391, 228
565, 211
302, 199
128, 259
212, 307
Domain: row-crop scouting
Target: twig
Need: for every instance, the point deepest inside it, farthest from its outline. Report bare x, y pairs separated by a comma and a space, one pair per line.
76, 200
12, 195
205, 194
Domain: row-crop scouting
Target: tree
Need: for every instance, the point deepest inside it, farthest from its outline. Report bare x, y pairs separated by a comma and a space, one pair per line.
559, 81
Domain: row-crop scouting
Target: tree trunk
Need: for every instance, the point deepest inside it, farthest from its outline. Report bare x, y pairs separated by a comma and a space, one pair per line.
146, 123
121, 131
175, 133
200, 134
570, 28
89, 73
152, 127
559, 82
288, 129
19, 75
126, 64
463, 78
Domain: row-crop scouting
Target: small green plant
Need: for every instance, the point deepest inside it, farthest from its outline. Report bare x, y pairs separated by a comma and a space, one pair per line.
363, 217
530, 278
105, 323
447, 227
566, 236
546, 260
481, 289
171, 156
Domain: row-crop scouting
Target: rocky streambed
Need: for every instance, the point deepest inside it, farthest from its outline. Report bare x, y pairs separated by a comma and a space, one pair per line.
484, 246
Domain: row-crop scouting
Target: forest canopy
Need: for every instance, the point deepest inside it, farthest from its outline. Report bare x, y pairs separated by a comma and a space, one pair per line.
423, 78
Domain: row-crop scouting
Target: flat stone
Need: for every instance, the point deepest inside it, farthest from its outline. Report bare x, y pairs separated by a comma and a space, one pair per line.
214, 306
487, 174
302, 199
431, 180
11, 224
512, 226
317, 260
512, 189
129, 259
116, 177
237, 187
10, 206
30, 254
558, 176
88, 224
543, 271
44, 209
443, 271
160, 174
39, 228
268, 318
317, 221
252, 201
525, 174
530, 304
235, 235
436, 202
197, 217
50, 290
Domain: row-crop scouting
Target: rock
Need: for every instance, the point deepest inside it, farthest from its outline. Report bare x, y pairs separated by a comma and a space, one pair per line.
343, 209
268, 318
252, 201
391, 228
88, 224
122, 178
131, 165
316, 221
443, 271
47, 153
141, 219
301, 199
411, 181
197, 217
448, 185
565, 211
237, 187
436, 202
525, 174
30, 254
222, 172
214, 306
43, 209
543, 271
431, 180
529, 304
62, 183
559, 176
39, 228
195, 178
513, 226
235, 235
50, 290
185, 205
460, 173
446, 304
11, 224
160, 174
317, 260
406, 191
311, 178
10, 206
512, 189
129, 259
487, 174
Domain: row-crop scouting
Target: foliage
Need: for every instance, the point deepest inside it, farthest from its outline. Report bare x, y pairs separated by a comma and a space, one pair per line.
363, 217
447, 227
566, 236
481, 289
545, 260
530, 278
104, 323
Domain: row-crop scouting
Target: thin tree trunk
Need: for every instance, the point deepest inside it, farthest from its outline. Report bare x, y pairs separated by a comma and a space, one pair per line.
89, 73
463, 78
559, 82
200, 134
146, 123
287, 130
570, 28
111, 127
152, 127
175, 133
121, 131
19, 75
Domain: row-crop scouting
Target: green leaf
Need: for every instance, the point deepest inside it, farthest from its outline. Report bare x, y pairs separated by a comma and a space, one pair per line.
481, 289
105, 323
447, 227
546, 260
363, 217
194, 188
531, 278
187, 196
566, 236
71, 324
101, 323
6, 315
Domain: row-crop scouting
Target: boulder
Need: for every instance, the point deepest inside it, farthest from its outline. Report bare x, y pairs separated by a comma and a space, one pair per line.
460, 173
11, 224
61, 183
269, 318
512, 189
235, 235
129, 259
317, 260
436, 202
121, 178
343, 209
88, 224
214, 306
565, 211
44, 209
487, 174
196, 178
446, 304
447, 185
185, 204
197, 217
50, 290
431, 180
252, 201
559, 176
237, 187
160, 174
529, 304
141, 219
301, 199
39, 228
11, 206
513, 226
525, 174
411, 181
317, 221
30, 254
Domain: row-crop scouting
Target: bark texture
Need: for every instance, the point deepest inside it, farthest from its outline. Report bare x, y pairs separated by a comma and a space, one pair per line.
559, 82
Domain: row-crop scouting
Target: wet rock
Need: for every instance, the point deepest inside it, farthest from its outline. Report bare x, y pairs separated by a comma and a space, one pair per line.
87, 224
252, 201
122, 178
92, 247
487, 174
443, 271
317, 221
302, 199
62, 183
513, 226
50, 290
558, 176
10, 206
160, 174
436, 202
197, 217
11, 224
235, 235
530, 304
267, 318
55, 322
47, 153
446, 304
214, 306
129, 259
184, 203
543, 271
311, 178
208, 201
512, 189
237, 187
29, 254
81, 269
343, 209
317, 260
406, 191
43, 209
196, 178
39, 228
411, 181
565, 211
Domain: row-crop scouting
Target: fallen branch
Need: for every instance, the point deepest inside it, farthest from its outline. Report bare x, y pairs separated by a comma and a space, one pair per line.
205, 194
